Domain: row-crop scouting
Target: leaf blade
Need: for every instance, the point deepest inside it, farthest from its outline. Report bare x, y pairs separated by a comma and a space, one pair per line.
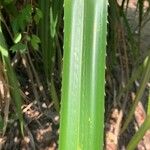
82, 107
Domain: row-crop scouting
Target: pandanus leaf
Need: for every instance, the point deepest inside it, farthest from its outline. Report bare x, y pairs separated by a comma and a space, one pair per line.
83, 82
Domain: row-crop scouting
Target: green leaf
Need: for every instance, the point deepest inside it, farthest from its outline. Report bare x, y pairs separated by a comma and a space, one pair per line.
1, 123
17, 38
19, 47
10, 7
38, 15
12, 79
139, 134
47, 33
47, 43
8, 1
139, 94
53, 22
83, 82
23, 18
35, 38
3, 48
27, 37
35, 41
148, 104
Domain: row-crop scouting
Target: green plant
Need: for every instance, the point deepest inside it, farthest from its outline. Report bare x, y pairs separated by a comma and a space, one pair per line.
144, 80
11, 77
83, 83
139, 134
48, 33
146, 125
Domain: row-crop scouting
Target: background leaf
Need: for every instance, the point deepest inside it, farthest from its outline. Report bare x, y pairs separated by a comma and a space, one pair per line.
19, 47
